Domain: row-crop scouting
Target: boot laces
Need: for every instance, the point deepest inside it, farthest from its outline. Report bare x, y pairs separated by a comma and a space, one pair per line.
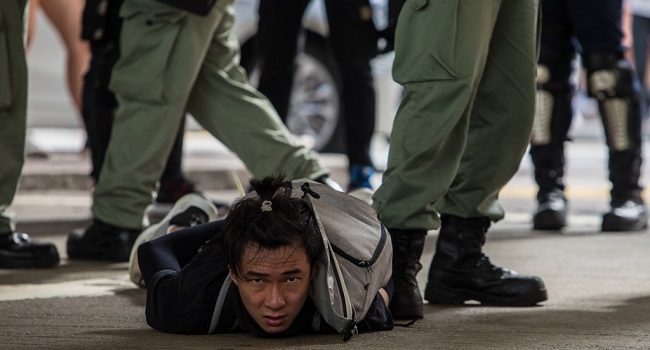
485, 264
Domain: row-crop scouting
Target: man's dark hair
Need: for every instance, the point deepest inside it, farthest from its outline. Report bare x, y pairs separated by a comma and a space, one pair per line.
270, 220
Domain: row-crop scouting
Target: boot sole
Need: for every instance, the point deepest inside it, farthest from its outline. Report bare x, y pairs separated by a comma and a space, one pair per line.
612, 223
439, 294
549, 221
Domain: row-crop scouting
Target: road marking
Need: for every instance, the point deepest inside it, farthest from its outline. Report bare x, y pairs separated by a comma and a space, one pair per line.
572, 192
577, 220
79, 288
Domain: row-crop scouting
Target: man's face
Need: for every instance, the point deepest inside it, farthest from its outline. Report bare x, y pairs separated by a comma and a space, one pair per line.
274, 285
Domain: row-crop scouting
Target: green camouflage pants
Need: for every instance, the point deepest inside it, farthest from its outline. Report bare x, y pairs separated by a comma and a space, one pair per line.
468, 69
13, 104
171, 62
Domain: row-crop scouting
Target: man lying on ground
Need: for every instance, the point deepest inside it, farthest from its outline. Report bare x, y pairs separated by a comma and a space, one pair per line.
268, 246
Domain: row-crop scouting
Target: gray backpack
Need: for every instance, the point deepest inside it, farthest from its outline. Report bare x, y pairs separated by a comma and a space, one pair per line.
357, 260
358, 255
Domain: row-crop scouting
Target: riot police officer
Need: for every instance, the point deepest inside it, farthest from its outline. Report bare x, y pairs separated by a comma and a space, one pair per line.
594, 30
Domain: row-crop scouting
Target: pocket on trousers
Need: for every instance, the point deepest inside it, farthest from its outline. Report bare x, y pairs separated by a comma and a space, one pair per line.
6, 97
147, 43
427, 49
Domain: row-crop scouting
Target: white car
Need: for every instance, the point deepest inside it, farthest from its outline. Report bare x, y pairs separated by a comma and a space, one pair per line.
314, 107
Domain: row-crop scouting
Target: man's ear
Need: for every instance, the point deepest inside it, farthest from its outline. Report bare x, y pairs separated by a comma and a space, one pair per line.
314, 270
232, 276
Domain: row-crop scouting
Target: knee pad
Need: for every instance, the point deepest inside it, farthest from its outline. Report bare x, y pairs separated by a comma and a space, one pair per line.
543, 110
554, 93
612, 81
609, 76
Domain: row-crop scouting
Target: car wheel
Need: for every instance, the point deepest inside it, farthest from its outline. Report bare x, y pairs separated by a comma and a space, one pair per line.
315, 98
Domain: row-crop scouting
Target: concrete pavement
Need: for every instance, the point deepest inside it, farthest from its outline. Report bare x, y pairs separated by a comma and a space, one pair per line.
599, 284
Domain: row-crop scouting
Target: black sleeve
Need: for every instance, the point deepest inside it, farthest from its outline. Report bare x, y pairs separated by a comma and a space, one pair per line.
175, 250
182, 301
378, 317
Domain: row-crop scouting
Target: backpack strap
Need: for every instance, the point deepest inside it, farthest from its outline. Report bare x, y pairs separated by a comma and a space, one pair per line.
216, 315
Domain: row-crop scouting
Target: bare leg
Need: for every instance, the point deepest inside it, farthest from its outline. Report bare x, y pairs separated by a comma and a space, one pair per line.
31, 22
65, 15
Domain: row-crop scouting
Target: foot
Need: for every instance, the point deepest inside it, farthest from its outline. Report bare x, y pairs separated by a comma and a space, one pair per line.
101, 241
482, 282
626, 216
460, 271
551, 212
190, 210
360, 176
407, 300
18, 251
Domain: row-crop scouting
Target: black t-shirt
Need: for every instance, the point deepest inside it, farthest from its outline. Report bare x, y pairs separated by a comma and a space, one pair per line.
184, 302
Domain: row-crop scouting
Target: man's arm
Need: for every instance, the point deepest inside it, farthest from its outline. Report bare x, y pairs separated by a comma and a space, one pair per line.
182, 300
378, 317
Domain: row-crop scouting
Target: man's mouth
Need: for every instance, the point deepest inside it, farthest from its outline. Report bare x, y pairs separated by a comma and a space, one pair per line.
274, 321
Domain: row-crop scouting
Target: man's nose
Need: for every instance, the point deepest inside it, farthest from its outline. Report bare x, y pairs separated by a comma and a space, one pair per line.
275, 298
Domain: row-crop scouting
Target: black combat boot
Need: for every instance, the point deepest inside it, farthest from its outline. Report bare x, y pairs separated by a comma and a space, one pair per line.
407, 250
18, 251
628, 211
460, 271
551, 210
101, 241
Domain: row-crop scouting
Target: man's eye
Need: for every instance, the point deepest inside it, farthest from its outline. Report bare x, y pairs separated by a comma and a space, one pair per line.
256, 280
292, 279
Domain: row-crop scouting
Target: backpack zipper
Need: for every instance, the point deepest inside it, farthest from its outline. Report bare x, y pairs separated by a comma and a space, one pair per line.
375, 254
